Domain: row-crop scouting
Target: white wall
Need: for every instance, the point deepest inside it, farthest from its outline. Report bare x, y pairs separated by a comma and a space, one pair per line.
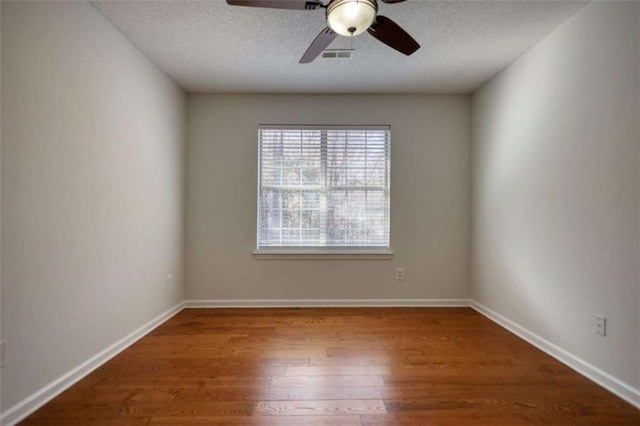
92, 190
556, 189
429, 205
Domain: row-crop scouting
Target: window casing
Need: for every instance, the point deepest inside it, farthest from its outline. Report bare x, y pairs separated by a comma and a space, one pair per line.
323, 189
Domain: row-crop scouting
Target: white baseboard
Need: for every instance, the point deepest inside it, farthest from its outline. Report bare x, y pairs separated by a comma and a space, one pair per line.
30, 404
607, 381
325, 303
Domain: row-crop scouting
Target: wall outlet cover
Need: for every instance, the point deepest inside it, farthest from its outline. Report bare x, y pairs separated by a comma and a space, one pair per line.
600, 325
169, 282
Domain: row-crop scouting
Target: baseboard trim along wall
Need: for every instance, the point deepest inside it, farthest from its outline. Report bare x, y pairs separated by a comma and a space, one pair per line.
326, 303
30, 404
612, 384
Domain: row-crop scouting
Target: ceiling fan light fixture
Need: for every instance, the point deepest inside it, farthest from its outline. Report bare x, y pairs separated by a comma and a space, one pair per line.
351, 17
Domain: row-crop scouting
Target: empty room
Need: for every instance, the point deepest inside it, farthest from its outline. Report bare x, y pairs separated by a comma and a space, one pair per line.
320, 212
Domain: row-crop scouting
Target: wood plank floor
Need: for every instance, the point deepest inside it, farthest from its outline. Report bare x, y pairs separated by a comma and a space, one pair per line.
373, 366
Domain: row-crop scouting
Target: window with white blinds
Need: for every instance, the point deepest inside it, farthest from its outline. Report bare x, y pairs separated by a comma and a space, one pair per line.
323, 188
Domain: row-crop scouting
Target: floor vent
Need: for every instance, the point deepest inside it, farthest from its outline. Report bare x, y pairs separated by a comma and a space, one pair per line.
337, 54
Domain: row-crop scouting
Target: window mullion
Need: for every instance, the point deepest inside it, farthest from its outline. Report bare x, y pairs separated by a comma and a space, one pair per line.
346, 179
324, 215
281, 199
300, 197
366, 193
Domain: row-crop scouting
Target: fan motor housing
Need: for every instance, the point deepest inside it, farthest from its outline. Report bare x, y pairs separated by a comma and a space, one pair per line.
351, 17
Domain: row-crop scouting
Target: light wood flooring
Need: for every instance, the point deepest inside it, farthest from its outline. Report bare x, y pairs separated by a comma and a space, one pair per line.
364, 366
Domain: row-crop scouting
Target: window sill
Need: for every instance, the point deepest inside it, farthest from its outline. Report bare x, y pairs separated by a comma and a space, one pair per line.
322, 255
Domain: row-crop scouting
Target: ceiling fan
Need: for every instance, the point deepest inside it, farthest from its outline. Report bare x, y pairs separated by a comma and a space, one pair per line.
347, 18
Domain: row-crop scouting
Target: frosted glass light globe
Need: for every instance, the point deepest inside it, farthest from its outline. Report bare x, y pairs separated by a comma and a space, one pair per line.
351, 17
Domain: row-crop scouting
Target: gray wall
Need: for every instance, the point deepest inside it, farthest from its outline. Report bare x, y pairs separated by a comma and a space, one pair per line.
555, 193
429, 201
92, 190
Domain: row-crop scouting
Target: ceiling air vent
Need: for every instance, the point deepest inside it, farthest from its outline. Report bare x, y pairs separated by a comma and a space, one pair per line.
337, 54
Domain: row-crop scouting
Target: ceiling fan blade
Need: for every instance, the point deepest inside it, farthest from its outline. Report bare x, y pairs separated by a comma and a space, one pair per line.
278, 4
321, 42
390, 33
392, 1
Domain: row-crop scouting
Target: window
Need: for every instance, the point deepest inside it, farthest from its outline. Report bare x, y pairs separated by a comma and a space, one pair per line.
323, 189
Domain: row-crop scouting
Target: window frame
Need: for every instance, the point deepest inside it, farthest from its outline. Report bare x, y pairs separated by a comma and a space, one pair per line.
321, 252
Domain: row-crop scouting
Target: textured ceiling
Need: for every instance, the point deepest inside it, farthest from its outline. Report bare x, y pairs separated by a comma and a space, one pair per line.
209, 46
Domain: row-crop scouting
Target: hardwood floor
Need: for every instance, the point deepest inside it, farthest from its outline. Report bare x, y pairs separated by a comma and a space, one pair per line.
374, 366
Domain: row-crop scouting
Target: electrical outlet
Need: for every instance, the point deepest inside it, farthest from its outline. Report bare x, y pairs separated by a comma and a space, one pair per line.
399, 274
600, 325
3, 353
169, 282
